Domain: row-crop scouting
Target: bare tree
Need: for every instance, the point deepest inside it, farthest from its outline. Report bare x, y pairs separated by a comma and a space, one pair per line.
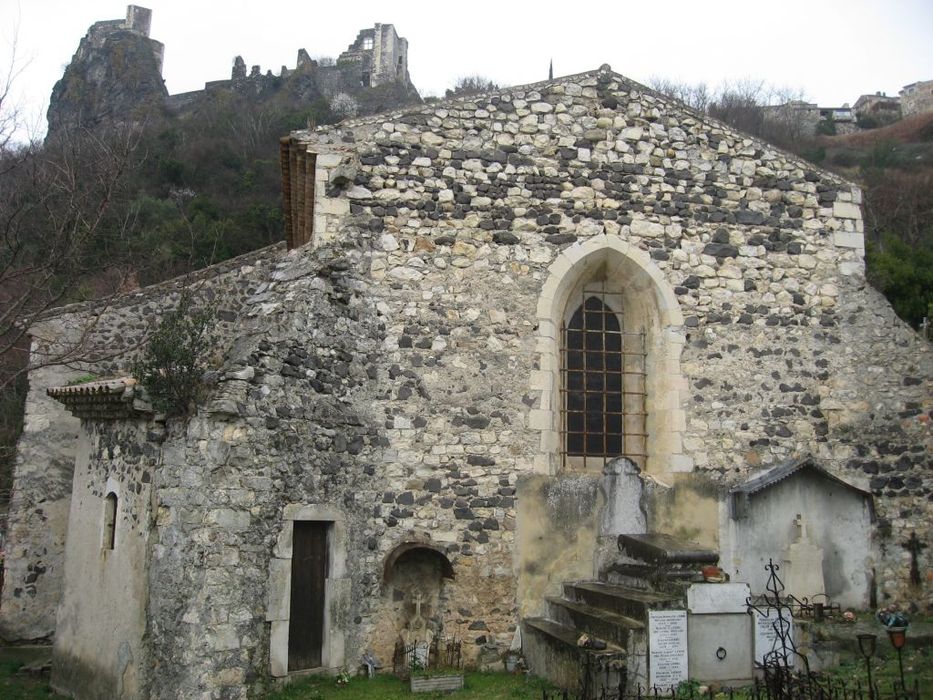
471, 85
696, 96
58, 223
776, 114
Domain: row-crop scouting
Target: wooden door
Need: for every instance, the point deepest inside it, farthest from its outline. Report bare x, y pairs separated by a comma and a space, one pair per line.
306, 618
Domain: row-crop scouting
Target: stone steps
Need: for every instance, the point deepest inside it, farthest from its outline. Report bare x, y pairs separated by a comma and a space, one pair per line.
551, 648
622, 600
596, 622
654, 570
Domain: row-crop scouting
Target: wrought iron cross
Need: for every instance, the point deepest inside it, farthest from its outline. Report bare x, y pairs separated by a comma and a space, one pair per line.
914, 546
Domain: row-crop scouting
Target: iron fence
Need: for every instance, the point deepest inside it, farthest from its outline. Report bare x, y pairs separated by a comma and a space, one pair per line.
800, 687
783, 674
421, 656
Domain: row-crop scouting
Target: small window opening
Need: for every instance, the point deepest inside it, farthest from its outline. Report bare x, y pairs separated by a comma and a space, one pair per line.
367, 43
110, 520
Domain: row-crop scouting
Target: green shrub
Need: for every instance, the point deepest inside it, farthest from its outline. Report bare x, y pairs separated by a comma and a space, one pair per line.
175, 358
814, 155
904, 274
844, 159
826, 127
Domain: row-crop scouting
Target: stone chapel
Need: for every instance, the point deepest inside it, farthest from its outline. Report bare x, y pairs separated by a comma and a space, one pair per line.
507, 334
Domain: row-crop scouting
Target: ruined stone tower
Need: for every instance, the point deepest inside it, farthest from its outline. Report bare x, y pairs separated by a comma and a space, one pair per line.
382, 56
114, 76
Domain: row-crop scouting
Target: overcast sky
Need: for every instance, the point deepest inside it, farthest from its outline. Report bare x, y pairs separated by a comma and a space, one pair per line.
831, 50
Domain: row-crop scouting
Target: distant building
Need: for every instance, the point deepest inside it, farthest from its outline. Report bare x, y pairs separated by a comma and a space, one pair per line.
799, 115
877, 109
917, 98
804, 118
380, 54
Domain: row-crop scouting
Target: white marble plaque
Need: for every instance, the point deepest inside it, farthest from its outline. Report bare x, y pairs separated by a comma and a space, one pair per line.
706, 598
767, 638
667, 647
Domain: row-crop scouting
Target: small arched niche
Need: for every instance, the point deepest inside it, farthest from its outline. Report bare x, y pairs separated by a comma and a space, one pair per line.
414, 575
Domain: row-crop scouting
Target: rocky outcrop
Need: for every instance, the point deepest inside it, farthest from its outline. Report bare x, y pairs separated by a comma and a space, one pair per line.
114, 77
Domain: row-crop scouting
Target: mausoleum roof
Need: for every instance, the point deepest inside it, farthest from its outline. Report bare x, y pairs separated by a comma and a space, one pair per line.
786, 469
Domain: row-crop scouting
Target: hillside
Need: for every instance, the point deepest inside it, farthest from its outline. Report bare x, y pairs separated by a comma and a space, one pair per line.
894, 165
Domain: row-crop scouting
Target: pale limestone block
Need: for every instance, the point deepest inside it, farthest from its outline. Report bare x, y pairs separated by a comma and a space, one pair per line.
543, 462
278, 592
278, 649
300, 511
545, 347
643, 227
547, 328
845, 239
539, 419
846, 210
550, 440
807, 262
429, 138
852, 268
283, 543
540, 380
335, 206
328, 160
681, 463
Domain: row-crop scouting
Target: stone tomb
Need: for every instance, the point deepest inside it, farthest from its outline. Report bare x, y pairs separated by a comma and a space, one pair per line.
719, 633
818, 526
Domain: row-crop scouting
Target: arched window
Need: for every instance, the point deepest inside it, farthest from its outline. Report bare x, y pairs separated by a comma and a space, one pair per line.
602, 381
110, 521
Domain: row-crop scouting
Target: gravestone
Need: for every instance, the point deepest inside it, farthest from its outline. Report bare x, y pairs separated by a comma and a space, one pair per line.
768, 632
803, 565
667, 647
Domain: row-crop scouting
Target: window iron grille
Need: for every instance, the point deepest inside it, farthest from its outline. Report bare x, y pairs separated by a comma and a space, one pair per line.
603, 384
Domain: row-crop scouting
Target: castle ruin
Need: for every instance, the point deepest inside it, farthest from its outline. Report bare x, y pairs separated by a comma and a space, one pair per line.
116, 76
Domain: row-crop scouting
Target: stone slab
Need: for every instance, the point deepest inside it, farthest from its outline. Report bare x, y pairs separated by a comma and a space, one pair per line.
767, 637
707, 598
667, 647
720, 648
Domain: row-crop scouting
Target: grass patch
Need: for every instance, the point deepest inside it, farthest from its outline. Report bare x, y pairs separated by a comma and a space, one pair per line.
476, 686
918, 664
14, 687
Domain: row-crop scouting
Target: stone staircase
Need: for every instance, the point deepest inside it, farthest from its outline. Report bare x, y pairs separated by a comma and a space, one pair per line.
652, 572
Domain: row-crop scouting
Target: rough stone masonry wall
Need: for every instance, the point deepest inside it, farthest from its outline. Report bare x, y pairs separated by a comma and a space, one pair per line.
101, 340
292, 422
788, 351
402, 393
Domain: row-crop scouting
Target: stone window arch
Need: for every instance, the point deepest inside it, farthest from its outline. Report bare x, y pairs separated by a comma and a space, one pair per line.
635, 294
